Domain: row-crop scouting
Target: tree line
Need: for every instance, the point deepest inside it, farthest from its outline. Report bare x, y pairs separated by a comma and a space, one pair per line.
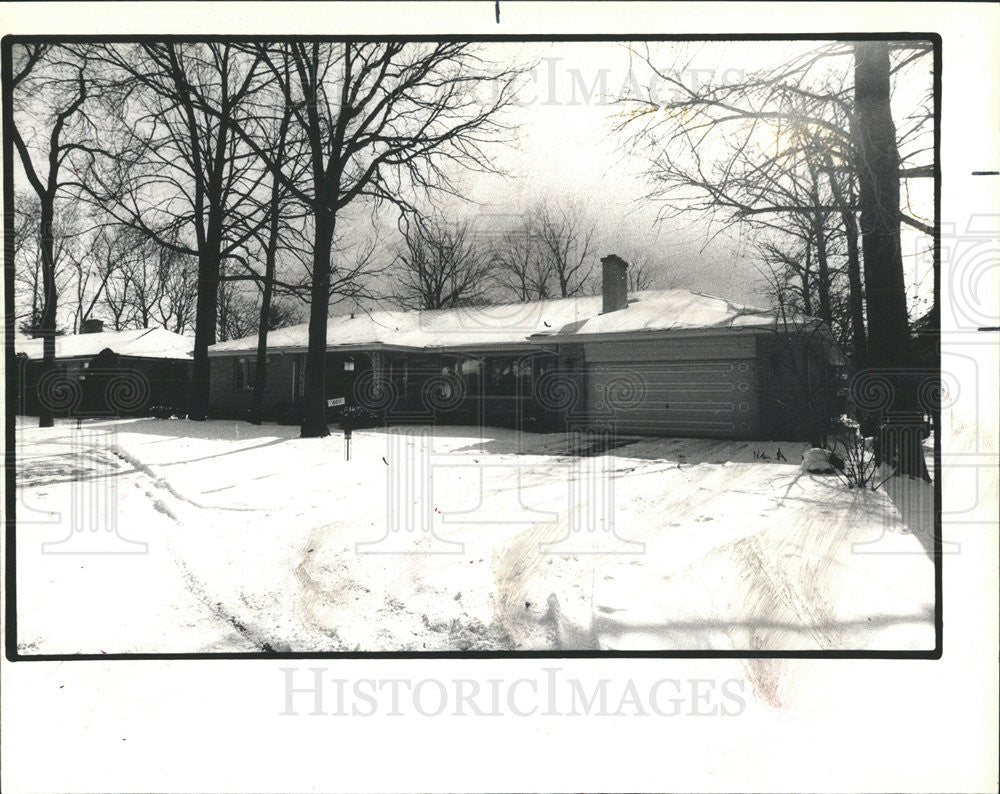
242, 164
550, 251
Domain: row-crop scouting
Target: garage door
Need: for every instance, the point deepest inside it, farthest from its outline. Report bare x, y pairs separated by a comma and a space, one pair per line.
713, 398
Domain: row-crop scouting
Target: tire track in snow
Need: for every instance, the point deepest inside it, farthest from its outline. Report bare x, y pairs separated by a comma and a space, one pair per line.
191, 583
162, 482
522, 572
516, 568
520, 566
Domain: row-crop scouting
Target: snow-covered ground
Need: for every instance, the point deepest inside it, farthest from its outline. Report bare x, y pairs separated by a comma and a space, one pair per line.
453, 539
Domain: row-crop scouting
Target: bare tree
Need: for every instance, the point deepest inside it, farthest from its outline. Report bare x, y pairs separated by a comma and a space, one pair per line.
845, 199
49, 91
178, 292
115, 302
177, 172
566, 238
96, 261
273, 237
145, 279
29, 284
640, 273
440, 266
520, 268
118, 255
283, 313
786, 150
380, 122
788, 269
879, 201
28, 291
238, 312
804, 147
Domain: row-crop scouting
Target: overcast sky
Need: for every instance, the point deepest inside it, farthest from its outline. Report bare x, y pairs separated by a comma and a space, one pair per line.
568, 150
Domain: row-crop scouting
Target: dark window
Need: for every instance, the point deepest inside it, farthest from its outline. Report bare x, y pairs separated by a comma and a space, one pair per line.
244, 372
507, 376
239, 374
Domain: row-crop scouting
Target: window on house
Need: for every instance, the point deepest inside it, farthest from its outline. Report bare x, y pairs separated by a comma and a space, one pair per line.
244, 372
508, 376
240, 379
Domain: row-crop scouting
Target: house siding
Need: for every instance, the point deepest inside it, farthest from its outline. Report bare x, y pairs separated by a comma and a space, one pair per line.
225, 397
712, 386
144, 386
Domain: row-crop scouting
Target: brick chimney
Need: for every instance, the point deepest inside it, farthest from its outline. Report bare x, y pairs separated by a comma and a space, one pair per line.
614, 283
92, 326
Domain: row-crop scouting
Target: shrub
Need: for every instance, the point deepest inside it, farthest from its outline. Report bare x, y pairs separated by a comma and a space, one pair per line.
856, 452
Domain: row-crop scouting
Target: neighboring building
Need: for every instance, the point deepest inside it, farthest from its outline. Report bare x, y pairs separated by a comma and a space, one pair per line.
660, 362
99, 372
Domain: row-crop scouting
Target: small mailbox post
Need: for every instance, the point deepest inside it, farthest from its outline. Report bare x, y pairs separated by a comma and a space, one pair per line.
345, 424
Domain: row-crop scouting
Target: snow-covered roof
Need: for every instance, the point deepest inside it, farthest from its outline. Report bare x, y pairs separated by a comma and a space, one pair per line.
520, 323
666, 310
140, 343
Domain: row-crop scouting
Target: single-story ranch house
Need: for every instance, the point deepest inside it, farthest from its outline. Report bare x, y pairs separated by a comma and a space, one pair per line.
660, 362
102, 372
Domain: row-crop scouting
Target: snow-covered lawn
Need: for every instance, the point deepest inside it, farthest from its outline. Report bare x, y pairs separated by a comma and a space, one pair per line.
256, 539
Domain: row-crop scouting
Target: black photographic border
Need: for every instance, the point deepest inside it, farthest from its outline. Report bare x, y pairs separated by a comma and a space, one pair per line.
10, 380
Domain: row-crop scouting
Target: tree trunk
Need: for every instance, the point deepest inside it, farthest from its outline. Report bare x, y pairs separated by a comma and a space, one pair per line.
314, 399
260, 372
859, 338
49, 304
204, 331
263, 325
856, 296
818, 221
822, 270
885, 291
806, 286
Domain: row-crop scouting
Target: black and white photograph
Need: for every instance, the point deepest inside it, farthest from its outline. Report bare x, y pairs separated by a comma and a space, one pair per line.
355, 345
460, 346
